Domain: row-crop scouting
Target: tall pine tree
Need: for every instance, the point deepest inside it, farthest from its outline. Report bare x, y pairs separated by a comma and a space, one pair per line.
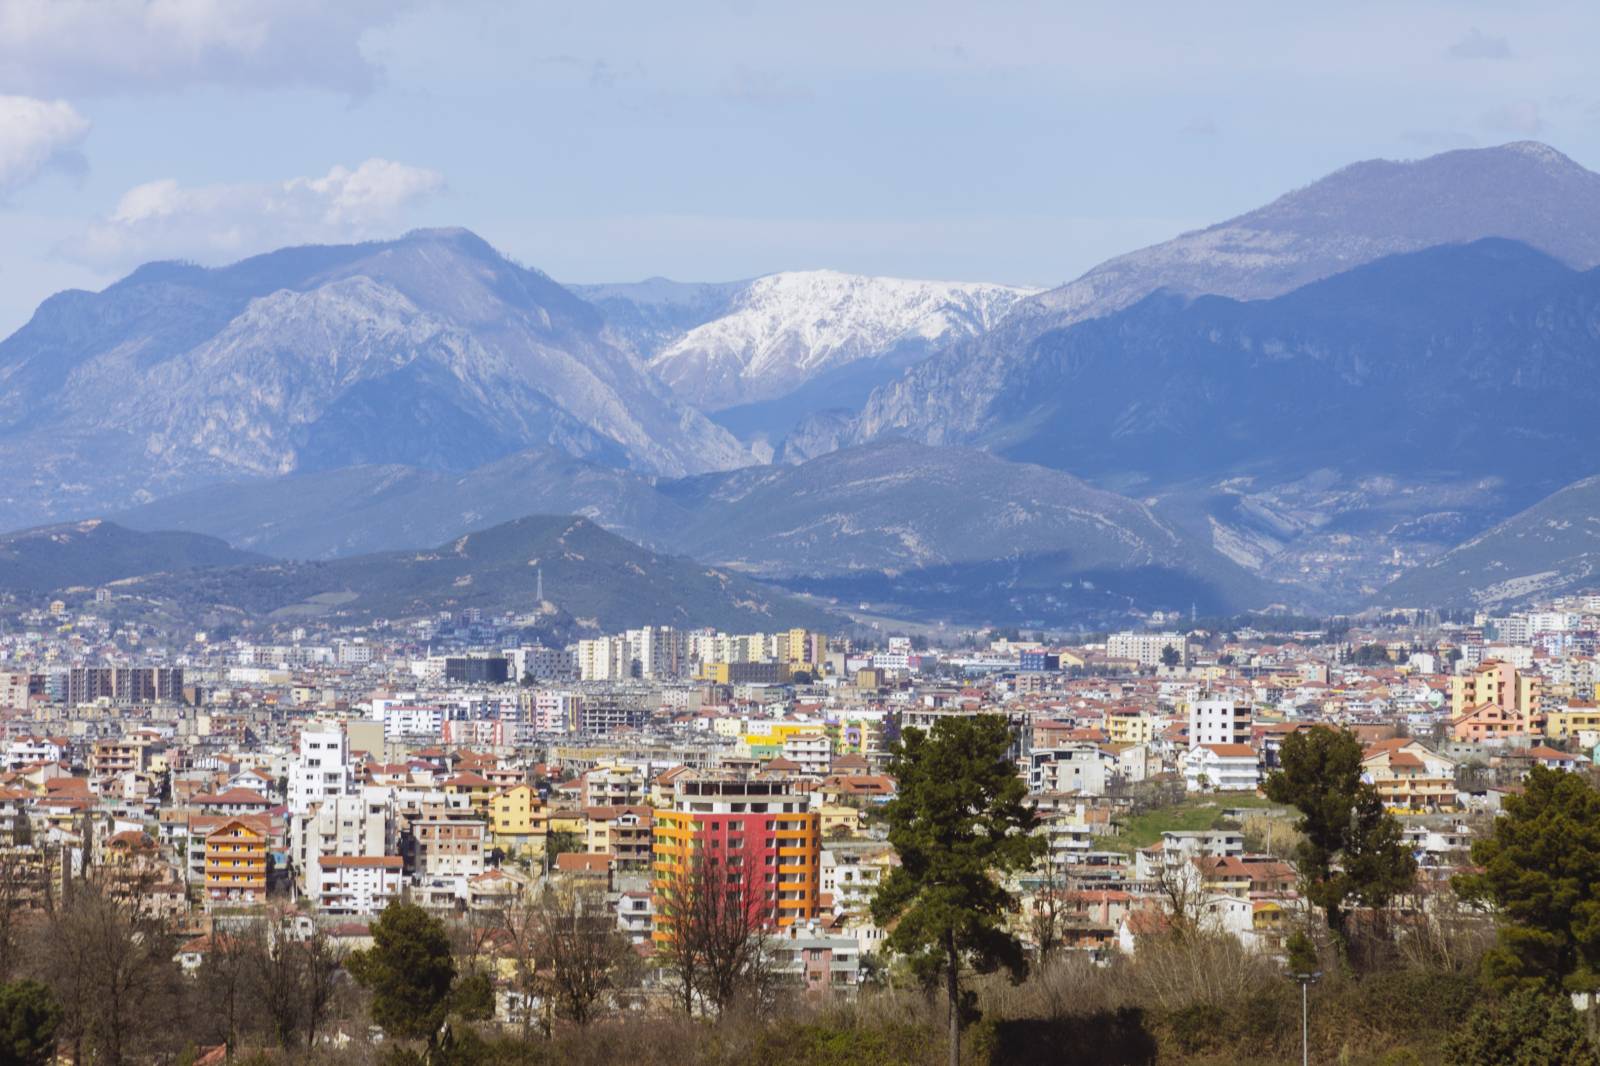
959, 821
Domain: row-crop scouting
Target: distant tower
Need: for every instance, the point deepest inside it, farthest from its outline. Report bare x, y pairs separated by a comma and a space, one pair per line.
1194, 609
538, 579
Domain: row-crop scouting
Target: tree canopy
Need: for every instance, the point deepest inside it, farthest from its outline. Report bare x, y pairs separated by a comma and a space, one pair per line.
29, 1018
1352, 852
960, 818
409, 971
1541, 868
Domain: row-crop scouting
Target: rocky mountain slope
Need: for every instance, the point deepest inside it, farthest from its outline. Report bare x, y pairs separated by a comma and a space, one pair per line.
892, 508
958, 532
92, 552
1524, 191
432, 350
780, 331
594, 581
1549, 549
360, 509
1335, 435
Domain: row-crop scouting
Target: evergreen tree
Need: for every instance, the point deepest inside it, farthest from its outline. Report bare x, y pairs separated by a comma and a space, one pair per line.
409, 971
959, 820
29, 1018
1541, 868
1352, 852
1530, 1028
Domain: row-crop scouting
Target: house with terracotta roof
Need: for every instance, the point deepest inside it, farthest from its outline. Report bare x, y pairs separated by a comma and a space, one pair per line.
1410, 776
1221, 768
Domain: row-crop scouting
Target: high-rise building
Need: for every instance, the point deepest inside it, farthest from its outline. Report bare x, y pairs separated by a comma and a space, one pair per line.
756, 834
322, 768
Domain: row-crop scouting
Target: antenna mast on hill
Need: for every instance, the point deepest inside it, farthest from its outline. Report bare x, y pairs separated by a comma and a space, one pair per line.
538, 578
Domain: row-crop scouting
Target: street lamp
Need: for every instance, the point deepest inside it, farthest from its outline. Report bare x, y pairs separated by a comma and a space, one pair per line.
1306, 979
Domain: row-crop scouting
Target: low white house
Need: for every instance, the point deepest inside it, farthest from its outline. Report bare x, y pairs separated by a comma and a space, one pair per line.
1221, 768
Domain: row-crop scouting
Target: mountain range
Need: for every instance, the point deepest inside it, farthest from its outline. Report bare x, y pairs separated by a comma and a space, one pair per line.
432, 350
1304, 404
881, 509
592, 580
760, 355
93, 552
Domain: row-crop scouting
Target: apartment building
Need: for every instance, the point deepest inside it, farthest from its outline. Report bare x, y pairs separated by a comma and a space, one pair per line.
1219, 721
760, 831
1146, 648
236, 862
358, 884
322, 769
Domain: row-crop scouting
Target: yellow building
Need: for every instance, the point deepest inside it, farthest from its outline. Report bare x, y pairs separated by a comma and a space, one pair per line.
766, 742
1574, 718
838, 820
518, 819
478, 789
236, 862
1132, 728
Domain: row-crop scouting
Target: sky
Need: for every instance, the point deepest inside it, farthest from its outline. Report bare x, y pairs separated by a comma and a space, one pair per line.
1007, 141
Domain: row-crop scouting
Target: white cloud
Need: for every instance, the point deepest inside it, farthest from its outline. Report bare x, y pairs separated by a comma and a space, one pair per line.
79, 47
35, 134
218, 223
1520, 118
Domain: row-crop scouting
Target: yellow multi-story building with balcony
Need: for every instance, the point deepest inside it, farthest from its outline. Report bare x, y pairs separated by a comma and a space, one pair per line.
519, 819
236, 862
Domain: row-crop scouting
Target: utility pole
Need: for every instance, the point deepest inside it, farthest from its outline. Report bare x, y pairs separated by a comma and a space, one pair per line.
1306, 980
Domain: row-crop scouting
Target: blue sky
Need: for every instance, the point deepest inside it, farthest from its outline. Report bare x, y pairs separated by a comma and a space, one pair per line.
1005, 141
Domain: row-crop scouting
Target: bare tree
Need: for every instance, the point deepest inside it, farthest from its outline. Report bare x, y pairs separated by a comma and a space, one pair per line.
111, 967
717, 921
224, 985
1182, 901
589, 957
519, 932
323, 963
21, 890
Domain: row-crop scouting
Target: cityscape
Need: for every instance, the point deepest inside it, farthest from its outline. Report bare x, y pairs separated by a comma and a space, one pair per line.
514, 549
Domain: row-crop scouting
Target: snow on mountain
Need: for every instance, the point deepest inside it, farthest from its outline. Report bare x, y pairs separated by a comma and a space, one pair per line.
767, 337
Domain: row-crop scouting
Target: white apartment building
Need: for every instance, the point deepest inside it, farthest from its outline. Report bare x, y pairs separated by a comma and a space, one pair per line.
812, 752
1219, 721
358, 884
1074, 768
1146, 648
555, 711
603, 659
322, 768
338, 827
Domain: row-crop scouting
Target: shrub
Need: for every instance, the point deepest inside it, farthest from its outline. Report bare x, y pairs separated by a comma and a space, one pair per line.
1528, 1028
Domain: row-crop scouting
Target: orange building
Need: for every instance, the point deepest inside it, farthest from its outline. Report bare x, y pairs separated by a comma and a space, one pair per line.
761, 833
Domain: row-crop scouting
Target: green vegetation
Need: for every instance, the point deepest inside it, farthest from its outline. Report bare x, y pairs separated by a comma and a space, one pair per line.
1541, 868
409, 971
960, 817
1530, 1028
1142, 830
1351, 854
29, 1019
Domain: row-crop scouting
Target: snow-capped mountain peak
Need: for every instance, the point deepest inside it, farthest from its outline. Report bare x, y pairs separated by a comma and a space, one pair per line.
781, 330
